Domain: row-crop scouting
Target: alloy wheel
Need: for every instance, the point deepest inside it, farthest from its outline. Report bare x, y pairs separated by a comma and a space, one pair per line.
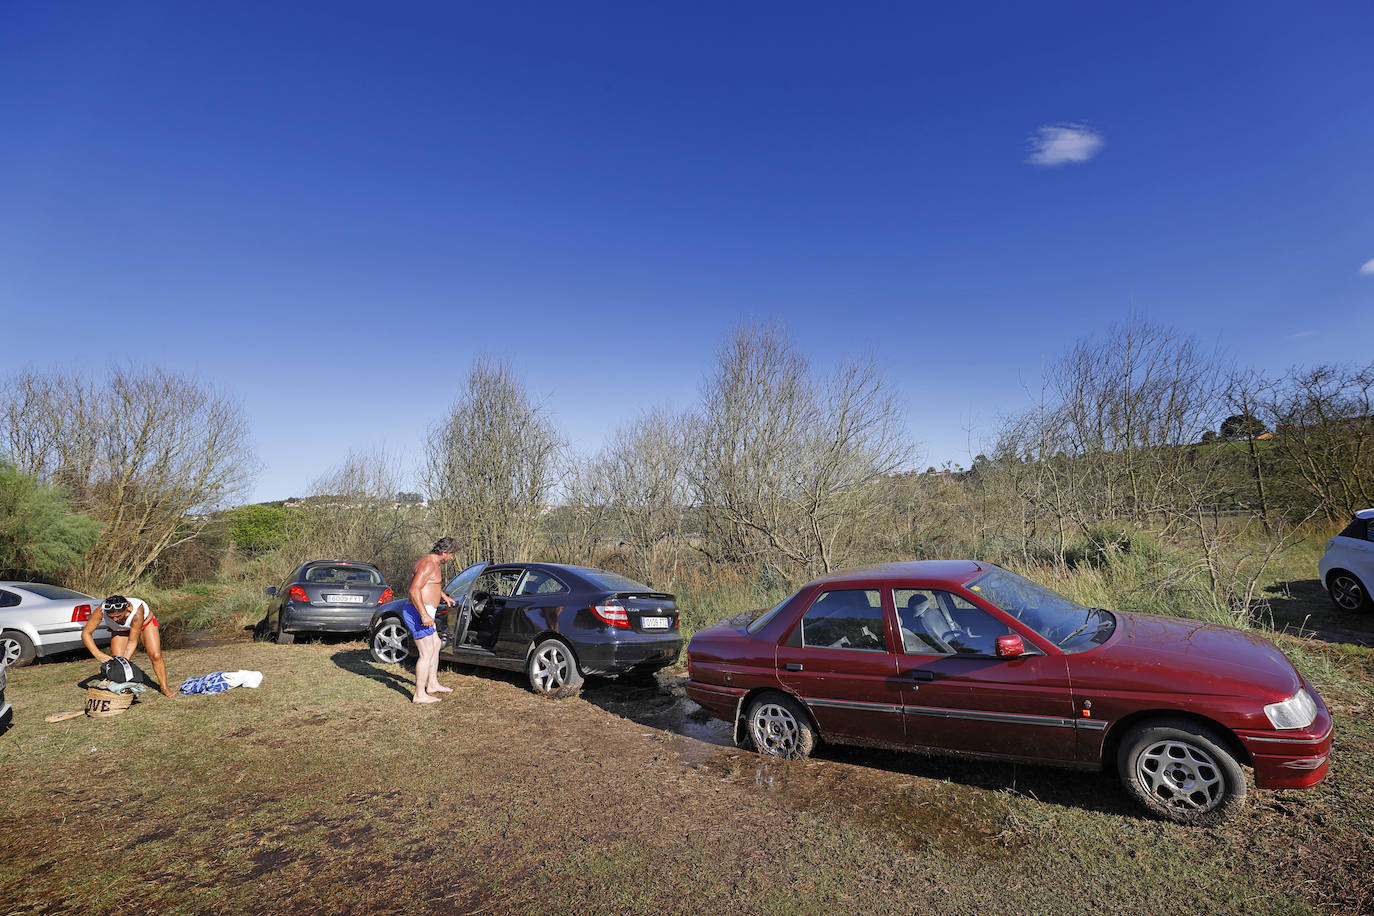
551, 668
389, 643
9, 651
775, 730
1347, 592
1181, 776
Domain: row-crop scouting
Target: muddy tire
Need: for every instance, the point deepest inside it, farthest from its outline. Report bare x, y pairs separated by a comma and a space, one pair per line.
284, 638
778, 726
1181, 771
16, 649
1347, 591
552, 670
390, 642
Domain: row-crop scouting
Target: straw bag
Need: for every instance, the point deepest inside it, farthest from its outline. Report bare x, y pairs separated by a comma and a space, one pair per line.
102, 703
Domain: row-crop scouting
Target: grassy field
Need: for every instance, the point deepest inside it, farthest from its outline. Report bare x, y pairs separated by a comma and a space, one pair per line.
325, 791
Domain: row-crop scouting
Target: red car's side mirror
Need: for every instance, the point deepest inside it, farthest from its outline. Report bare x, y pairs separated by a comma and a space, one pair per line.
1010, 646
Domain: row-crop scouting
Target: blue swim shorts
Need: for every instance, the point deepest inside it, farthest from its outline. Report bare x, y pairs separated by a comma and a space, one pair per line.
413, 623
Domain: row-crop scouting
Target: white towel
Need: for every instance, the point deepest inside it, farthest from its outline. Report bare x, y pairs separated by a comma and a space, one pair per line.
243, 678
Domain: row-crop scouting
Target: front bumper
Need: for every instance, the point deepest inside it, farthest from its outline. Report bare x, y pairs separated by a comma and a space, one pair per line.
632, 650
1292, 759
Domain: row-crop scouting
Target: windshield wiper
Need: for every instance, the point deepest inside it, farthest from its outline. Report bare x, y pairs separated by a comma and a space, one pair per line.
1092, 614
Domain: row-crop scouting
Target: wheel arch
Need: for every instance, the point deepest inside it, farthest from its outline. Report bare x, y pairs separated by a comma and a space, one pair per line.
552, 634
1111, 744
755, 693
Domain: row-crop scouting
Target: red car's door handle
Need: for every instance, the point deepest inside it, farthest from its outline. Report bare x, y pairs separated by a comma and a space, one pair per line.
792, 666
923, 675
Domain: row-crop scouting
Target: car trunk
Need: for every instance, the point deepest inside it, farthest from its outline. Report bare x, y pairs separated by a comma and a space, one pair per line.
343, 594
648, 612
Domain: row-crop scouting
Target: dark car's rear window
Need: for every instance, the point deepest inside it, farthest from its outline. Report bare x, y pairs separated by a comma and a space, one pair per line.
338, 575
55, 592
610, 581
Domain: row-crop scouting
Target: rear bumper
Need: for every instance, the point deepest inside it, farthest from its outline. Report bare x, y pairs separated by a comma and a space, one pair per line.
309, 619
720, 701
632, 650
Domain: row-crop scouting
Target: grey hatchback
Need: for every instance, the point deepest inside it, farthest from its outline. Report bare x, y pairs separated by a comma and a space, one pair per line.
325, 596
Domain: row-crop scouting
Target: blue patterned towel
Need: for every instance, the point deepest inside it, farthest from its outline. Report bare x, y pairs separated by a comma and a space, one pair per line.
206, 683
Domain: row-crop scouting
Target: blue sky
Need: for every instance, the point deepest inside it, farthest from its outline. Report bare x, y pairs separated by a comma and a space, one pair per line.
343, 205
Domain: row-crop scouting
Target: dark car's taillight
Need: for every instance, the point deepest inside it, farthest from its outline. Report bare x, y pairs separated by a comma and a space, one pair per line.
386, 596
613, 614
296, 593
81, 613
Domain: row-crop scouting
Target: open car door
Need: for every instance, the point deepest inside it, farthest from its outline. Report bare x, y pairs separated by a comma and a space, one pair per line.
454, 620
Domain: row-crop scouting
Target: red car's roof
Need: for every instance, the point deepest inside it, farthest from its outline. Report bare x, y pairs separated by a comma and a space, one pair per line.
956, 571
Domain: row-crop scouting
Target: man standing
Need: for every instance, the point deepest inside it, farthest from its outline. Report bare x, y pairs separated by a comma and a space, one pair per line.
425, 594
128, 620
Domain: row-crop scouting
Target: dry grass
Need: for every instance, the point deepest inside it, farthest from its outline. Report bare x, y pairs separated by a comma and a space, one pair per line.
325, 791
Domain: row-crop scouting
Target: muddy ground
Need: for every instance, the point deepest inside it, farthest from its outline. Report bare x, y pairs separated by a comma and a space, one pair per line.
326, 791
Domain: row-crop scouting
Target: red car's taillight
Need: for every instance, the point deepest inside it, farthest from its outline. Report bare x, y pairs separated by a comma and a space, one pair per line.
613, 614
81, 613
296, 593
386, 596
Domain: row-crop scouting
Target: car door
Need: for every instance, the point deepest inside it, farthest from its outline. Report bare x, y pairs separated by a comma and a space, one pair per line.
508, 632
839, 662
450, 620
959, 695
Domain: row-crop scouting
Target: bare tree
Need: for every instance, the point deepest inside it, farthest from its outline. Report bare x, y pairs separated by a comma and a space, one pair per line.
147, 453
579, 524
788, 470
1323, 422
490, 467
644, 472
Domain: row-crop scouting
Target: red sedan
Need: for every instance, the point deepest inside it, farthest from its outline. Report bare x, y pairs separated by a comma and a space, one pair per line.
969, 658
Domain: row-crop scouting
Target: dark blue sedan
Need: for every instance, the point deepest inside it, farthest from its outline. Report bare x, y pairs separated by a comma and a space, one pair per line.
555, 623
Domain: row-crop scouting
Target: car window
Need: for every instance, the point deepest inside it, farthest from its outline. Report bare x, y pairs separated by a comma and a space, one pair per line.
539, 583
55, 592
935, 622
1358, 529
498, 582
458, 585
612, 582
845, 619
341, 575
8, 599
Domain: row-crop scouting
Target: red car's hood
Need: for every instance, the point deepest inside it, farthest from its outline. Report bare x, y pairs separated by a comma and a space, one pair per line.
1176, 655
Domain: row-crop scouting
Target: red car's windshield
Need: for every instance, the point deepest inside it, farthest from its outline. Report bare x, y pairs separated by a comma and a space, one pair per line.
1062, 621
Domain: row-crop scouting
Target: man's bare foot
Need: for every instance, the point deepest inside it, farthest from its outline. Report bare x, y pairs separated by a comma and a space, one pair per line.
440, 688
168, 692
424, 699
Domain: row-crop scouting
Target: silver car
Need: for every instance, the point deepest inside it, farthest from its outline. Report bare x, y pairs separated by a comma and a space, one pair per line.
38, 620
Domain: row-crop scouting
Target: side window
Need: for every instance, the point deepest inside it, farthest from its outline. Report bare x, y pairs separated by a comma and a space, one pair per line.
539, 583
939, 623
498, 582
845, 619
8, 599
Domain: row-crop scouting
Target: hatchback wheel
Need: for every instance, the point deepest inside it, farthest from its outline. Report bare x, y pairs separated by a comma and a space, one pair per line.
552, 670
16, 649
1347, 591
1181, 771
390, 642
779, 727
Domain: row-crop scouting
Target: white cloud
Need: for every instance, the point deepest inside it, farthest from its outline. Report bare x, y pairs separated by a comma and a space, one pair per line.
1368, 268
1056, 144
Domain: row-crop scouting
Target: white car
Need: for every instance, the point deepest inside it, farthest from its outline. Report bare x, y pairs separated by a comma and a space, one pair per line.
38, 619
6, 714
1347, 567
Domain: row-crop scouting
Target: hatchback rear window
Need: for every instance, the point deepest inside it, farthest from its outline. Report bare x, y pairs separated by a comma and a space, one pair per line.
340, 575
55, 592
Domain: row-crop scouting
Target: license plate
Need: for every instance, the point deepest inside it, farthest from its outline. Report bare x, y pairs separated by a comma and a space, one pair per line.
345, 599
654, 623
